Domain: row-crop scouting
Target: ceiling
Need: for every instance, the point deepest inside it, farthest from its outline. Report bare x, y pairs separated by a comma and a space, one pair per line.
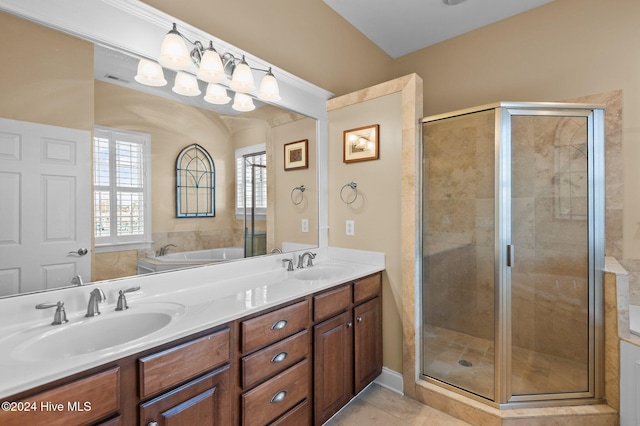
400, 27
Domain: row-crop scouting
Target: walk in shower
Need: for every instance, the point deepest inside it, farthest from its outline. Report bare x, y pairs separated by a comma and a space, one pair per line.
513, 253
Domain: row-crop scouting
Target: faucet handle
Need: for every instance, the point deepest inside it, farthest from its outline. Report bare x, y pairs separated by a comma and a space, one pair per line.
290, 265
122, 300
60, 317
310, 260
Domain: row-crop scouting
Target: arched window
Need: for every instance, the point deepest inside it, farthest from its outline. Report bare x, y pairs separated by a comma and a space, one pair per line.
195, 183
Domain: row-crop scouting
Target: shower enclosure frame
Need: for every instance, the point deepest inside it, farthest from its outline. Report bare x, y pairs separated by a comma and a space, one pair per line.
505, 253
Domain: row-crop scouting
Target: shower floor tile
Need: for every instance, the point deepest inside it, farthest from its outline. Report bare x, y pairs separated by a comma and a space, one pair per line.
447, 355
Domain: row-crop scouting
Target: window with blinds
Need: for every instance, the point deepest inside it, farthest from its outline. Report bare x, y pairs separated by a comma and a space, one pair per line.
120, 188
251, 180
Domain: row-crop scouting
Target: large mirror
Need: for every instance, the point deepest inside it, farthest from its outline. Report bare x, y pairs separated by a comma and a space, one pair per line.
53, 79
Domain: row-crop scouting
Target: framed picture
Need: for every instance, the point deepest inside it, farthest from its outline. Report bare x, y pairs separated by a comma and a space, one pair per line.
296, 155
361, 144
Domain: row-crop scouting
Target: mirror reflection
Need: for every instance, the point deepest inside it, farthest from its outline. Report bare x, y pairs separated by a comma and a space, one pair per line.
119, 205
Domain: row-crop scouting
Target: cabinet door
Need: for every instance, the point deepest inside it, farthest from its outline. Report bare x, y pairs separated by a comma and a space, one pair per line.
204, 401
367, 343
333, 366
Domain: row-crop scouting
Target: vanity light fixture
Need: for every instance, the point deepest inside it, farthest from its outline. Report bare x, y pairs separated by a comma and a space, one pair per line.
213, 68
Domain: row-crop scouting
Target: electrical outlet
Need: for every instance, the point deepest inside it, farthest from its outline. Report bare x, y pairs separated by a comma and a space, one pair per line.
350, 228
305, 225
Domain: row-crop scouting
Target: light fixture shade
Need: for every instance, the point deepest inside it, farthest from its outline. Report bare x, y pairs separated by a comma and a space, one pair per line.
150, 73
269, 90
211, 69
242, 78
174, 53
186, 84
216, 94
243, 102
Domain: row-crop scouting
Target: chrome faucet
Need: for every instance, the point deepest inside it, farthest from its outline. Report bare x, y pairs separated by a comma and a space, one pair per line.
290, 265
309, 261
163, 249
60, 317
122, 300
96, 296
77, 280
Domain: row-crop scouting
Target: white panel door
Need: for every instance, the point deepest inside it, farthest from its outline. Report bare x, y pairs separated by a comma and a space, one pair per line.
45, 193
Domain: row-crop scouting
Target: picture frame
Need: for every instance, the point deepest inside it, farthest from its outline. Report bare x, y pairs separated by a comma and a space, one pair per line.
296, 155
361, 144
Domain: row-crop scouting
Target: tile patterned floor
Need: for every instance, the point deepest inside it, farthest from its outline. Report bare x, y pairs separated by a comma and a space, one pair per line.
377, 406
533, 372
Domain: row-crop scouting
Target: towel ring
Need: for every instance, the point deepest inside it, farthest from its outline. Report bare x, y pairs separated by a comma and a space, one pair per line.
353, 186
300, 188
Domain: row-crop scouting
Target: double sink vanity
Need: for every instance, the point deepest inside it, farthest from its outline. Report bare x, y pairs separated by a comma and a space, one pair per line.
207, 345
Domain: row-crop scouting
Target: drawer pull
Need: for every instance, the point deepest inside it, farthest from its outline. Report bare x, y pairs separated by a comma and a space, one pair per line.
279, 397
279, 357
152, 424
359, 319
278, 325
349, 324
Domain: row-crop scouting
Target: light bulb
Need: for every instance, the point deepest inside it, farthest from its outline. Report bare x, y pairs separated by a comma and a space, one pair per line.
186, 84
216, 94
242, 78
150, 73
174, 53
269, 90
243, 102
211, 66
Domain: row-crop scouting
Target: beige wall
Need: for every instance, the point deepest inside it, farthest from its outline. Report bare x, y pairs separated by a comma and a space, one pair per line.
58, 94
376, 211
563, 50
288, 216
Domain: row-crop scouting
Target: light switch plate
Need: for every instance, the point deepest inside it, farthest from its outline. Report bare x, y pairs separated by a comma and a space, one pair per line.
305, 225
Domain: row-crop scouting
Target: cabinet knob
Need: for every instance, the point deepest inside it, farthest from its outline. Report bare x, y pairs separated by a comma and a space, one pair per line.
279, 357
278, 397
359, 319
349, 324
279, 324
152, 424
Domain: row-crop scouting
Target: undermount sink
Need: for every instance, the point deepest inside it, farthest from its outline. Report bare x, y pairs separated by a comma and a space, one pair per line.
321, 272
89, 335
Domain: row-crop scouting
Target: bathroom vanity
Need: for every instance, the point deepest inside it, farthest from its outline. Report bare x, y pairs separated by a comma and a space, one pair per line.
293, 359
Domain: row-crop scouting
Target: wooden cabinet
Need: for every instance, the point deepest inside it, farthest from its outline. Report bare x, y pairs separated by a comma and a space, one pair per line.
367, 336
82, 401
275, 366
292, 365
348, 346
203, 401
333, 365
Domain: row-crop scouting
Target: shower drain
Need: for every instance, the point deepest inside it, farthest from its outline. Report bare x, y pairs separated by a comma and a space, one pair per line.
465, 363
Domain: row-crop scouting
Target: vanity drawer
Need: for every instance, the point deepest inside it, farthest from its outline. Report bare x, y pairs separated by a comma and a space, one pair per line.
275, 397
273, 326
176, 365
367, 288
298, 416
67, 404
274, 358
331, 302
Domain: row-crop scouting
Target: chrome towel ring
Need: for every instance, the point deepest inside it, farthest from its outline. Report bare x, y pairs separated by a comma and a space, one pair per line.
354, 186
300, 188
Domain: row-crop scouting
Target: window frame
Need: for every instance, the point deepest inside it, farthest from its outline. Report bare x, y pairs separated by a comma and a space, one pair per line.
261, 212
123, 242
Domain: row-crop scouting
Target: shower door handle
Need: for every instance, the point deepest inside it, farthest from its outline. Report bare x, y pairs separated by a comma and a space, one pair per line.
510, 257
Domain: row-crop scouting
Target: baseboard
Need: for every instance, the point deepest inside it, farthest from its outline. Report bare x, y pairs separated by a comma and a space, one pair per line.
391, 380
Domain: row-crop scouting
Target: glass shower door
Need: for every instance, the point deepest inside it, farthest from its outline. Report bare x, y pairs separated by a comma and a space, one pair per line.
459, 252
550, 318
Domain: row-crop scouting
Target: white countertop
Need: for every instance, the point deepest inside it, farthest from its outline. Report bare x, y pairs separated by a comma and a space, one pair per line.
206, 297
